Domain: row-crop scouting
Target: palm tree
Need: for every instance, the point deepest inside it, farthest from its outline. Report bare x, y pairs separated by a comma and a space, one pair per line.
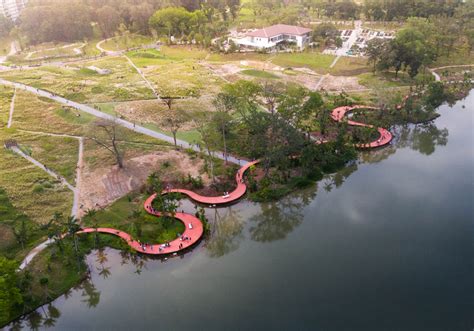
72, 226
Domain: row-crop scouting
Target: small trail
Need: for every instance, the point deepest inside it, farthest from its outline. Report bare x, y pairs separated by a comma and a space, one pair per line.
143, 76
438, 77
12, 108
129, 125
318, 85
334, 62
75, 190
44, 168
103, 50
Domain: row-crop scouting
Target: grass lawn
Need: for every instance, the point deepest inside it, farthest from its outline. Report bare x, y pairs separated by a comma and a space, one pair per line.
166, 55
455, 59
90, 49
312, 60
6, 94
59, 51
126, 41
350, 66
107, 107
127, 214
259, 74
34, 113
384, 79
30, 189
12, 218
58, 153
175, 71
222, 57
83, 85
183, 79
191, 136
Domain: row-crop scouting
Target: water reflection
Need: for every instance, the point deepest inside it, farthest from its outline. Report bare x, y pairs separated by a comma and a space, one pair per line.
416, 254
339, 177
226, 232
279, 218
421, 137
90, 294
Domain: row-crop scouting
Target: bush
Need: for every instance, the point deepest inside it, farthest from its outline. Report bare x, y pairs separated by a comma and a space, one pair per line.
38, 188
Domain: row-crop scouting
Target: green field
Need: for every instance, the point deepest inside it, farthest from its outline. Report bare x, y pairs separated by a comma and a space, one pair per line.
259, 74
125, 42
78, 83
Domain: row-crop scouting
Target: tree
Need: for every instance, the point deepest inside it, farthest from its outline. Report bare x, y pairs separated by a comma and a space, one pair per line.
5, 26
56, 21
108, 19
209, 137
224, 104
171, 21
107, 133
326, 33
173, 120
21, 234
72, 227
375, 49
10, 295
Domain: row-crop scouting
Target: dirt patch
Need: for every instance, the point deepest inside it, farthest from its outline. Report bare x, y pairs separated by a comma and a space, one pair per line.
259, 65
339, 83
7, 237
100, 187
153, 111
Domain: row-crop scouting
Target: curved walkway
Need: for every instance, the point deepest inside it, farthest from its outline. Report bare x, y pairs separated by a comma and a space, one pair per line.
385, 137
193, 225
220, 200
129, 125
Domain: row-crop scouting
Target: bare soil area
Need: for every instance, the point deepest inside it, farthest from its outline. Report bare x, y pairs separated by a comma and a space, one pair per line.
100, 187
230, 71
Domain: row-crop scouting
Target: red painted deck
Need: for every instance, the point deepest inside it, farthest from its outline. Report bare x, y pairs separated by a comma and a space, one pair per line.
385, 136
193, 226
220, 200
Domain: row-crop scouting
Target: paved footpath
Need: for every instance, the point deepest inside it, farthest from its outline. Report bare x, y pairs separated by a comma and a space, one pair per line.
385, 137
122, 122
193, 227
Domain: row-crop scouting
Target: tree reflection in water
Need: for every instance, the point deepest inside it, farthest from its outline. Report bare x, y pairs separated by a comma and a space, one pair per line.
90, 293
279, 218
44, 317
103, 270
226, 232
421, 137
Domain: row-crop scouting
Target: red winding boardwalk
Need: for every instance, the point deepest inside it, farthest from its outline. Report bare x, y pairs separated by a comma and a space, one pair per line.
220, 200
193, 226
385, 136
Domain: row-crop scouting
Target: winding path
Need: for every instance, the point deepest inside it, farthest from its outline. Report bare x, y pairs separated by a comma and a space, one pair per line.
129, 125
193, 226
338, 114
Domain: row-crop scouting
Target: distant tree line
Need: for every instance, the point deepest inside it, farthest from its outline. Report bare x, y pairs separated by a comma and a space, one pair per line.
67, 21
421, 42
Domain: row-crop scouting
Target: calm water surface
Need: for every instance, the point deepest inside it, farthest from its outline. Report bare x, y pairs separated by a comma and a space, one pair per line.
386, 244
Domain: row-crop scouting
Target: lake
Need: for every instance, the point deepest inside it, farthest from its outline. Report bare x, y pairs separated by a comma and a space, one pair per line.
385, 244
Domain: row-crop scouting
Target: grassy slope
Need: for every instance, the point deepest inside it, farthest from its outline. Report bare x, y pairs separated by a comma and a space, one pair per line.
84, 85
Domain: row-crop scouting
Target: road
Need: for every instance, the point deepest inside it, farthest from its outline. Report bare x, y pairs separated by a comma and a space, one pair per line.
129, 125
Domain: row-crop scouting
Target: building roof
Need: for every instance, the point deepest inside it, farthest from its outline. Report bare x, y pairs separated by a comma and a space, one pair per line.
278, 29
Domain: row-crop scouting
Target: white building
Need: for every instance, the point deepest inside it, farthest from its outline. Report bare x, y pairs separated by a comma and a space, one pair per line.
12, 8
270, 37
